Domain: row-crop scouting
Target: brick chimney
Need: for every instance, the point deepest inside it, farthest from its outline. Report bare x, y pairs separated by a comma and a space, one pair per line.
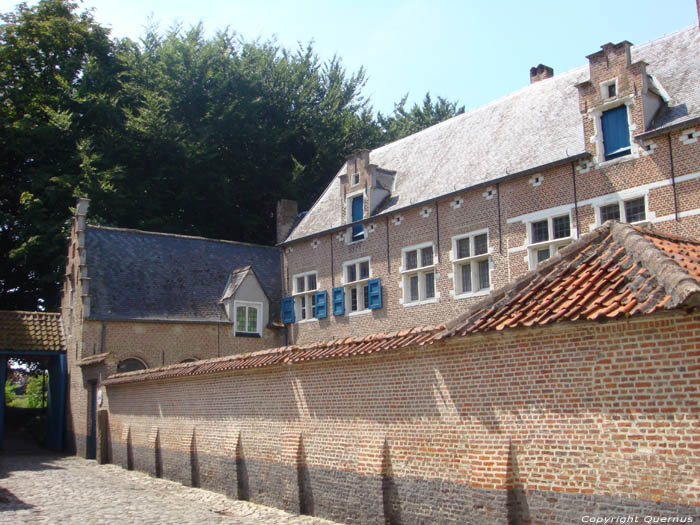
541, 72
287, 212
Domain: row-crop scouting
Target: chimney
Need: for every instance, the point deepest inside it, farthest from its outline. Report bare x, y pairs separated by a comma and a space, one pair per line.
541, 72
287, 212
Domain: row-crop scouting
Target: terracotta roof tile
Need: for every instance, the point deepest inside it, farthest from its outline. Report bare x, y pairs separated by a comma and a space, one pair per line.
285, 355
38, 331
617, 270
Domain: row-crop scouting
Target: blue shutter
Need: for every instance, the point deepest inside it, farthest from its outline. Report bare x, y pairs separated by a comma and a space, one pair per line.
321, 308
338, 301
616, 135
287, 310
357, 212
374, 289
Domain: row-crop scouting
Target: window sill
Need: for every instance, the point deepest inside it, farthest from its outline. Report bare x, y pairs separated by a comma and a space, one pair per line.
247, 334
359, 312
309, 320
469, 295
432, 300
617, 160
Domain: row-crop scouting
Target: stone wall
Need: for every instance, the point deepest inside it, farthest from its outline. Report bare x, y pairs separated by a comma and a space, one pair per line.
529, 425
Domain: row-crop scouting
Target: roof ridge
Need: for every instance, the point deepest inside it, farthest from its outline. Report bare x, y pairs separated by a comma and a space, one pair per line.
178, 235
678, 284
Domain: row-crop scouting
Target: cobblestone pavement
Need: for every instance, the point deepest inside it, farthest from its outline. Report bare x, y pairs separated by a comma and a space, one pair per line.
44, 488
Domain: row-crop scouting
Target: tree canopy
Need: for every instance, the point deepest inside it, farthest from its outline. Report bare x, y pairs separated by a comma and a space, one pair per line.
175, 133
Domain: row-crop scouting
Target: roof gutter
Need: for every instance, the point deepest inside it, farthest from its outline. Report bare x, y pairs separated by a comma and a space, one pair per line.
489, 182
667, 129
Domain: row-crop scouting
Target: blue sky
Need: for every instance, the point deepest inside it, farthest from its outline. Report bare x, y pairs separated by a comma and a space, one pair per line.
470, 51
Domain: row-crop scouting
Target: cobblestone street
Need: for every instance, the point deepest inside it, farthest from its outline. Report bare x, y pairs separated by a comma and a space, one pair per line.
45, 488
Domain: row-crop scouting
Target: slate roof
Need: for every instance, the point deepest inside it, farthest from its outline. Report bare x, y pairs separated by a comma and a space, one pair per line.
617, 270
527, 130
37, 331
145, 275
350, 346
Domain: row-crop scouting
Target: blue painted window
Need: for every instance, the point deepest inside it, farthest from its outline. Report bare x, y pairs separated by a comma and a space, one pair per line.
321, 307
287, 310
358, 231
338, 301
374, 290
616, 134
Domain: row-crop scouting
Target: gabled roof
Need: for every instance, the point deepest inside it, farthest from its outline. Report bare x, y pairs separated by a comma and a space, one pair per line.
617, 270
145, 275
536, 126
31, 331
234, 281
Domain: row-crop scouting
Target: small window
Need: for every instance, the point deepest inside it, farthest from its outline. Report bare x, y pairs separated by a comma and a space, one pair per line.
616, 134
631, 210
612, 90
419, 274
357, 274
131, 364
547, 237
472, 264
304, 294
355, 179
248, 318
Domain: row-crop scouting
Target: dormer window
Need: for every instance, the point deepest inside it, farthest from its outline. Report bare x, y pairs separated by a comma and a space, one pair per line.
356, 213
612, 90
355, 180
608, 89
616, 133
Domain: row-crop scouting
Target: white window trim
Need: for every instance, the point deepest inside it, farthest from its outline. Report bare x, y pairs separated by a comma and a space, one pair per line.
357, 284
354, 176
604, 89
457, 263
348, 216
420, 271
623, 214
306, 293
596, 114
551, 243
248, 304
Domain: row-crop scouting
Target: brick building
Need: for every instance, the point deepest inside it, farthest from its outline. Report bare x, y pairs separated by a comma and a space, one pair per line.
421, 229
135, 299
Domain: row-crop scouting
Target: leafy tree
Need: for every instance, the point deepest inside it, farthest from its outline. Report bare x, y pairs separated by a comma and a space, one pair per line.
37, 389
403, 122
9, 393
56, 72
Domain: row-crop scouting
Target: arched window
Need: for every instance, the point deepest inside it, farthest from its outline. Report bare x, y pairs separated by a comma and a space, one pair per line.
189, 360
131, 364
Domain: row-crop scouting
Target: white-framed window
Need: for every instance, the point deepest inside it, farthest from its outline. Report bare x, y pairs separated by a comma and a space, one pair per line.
355, 179
356, 274
627, 210
608, 89
355, 212
471, 262
131, 364
248, 318
304, 293
418, 273
547, 236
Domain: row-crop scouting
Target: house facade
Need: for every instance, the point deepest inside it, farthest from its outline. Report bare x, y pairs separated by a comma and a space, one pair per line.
134, 300
419, 230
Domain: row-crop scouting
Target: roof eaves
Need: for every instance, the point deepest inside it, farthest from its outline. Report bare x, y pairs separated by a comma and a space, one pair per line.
667, 129
490, 182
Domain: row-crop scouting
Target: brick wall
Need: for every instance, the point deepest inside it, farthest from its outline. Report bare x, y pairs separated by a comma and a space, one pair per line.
529, 425
647, 175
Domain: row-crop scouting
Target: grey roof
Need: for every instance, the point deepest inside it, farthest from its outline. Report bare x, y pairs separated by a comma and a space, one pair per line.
144, 275
537, 125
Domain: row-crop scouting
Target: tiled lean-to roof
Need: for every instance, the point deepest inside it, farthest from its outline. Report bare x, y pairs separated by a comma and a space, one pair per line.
33, 331
527, 130
618, 270
145, 275
346, 347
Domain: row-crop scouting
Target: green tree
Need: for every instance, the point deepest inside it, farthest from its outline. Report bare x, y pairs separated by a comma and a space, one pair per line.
9, 393
403, 122
37, 388
57, 75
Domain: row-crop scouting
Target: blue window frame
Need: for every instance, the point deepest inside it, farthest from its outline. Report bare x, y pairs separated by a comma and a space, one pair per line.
616, 133
338, 301
321, 308
287, 310
374, 291
358, 230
